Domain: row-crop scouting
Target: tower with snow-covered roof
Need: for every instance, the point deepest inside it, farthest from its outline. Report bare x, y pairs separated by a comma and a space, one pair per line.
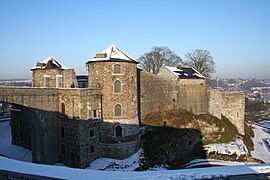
51, 73
115, 73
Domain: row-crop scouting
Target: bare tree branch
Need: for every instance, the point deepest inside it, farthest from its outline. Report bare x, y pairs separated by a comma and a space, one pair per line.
157, 58
202, 61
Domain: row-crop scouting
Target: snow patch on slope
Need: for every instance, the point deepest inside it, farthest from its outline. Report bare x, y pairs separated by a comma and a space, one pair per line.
237, 147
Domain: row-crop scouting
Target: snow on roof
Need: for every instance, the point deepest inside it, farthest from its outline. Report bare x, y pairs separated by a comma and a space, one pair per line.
185, 73
112, 53
43, 64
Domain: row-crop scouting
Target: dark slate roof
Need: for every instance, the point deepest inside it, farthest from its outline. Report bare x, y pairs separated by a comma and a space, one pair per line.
185, 73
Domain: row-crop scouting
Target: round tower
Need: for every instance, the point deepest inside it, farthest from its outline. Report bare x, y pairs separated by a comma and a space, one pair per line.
115, 73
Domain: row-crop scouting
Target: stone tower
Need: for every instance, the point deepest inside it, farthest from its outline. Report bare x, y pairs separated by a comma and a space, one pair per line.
115, 72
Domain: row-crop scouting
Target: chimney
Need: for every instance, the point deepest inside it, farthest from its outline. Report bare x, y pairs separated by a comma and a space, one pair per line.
179, 66
101, 55
40, 64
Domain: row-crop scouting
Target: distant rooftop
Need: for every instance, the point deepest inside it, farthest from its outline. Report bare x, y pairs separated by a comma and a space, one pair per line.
49, 62
185, 73
113, 53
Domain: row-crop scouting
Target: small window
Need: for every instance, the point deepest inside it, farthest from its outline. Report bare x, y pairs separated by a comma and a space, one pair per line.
21, 134
21, 124
46, 81
117, 86
62, 132
63, 149
94, 113
117, 69
59, 83
92, 149
63, 108
117, 111
118, 131
92, 133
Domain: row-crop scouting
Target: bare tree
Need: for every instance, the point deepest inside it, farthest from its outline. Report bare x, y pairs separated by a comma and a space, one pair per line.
157, 58
202, 61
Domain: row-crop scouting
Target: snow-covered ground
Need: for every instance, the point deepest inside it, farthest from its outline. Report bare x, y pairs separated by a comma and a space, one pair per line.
261, 148
211, 162
262, 151
10, 150
72, 173
108, 164
237, 147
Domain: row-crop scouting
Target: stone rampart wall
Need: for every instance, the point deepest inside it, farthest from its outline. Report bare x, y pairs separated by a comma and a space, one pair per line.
39, 98
233, 107
214, 96
159, 92
119, 150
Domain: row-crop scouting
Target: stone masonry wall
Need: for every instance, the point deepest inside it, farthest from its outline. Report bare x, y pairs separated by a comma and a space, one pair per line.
233, 107
229, 104
42, 107
68, 77
160, 92
76, 102
39, 98
78, 141
21, 129
215, 102
102, 74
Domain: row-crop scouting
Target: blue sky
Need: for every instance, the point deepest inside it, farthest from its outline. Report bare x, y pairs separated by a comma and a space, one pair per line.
236, 32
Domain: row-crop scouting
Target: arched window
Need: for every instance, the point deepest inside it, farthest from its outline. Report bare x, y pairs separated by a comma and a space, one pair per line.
118, 131
117, 69
117, 86
117, 110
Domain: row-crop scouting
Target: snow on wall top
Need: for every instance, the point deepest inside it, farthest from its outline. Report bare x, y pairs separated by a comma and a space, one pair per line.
43, 64
185, 73
112, 53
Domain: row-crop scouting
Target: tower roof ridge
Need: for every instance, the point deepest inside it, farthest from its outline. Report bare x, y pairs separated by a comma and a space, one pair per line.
112, 53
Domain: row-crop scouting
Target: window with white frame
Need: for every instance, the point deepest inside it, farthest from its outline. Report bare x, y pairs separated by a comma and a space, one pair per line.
117, 86
59, 83
117, 69
117, 110
46, 81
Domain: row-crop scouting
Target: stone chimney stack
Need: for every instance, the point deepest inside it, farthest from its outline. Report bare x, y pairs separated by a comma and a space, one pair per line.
179, 66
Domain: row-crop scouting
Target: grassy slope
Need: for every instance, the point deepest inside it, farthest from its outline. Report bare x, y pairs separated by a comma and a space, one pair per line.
213, 130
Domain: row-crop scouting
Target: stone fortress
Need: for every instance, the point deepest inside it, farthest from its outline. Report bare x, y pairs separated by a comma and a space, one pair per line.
75, 119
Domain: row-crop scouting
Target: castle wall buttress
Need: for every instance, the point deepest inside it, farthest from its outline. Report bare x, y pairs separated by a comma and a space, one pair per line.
233, 107
228, 104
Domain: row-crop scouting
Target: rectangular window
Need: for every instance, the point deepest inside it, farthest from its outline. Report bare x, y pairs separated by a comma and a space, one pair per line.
94, 113
63, 149
21, 134
92, 132
21, 124
46, 81
92, 149
59, 83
